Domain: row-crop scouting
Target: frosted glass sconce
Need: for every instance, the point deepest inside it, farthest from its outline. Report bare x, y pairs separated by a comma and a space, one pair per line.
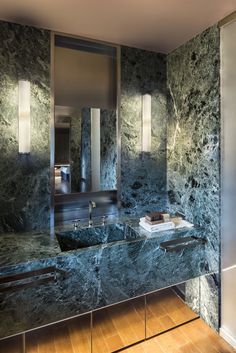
24, 117
146, 123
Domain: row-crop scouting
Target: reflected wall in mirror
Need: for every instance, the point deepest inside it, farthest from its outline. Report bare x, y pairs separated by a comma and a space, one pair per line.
85, 149
85, 116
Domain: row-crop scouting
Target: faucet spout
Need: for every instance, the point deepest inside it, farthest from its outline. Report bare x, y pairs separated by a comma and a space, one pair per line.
92, 205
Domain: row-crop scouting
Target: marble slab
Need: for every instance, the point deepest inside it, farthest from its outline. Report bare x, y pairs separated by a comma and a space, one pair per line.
24, 179
143, 175
193, 145
94, 277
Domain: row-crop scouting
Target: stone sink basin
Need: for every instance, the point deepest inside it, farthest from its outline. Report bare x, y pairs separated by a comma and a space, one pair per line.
86, 237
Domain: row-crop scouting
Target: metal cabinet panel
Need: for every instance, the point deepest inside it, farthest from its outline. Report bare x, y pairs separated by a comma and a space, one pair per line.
118, 326
69, 336
12, 344
167, 308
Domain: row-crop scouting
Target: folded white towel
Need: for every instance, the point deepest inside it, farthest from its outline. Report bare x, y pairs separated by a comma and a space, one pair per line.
164, 226
156, 227
184, 224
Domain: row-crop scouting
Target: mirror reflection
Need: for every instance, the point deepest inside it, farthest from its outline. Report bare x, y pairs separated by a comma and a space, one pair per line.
85, 149
85, 116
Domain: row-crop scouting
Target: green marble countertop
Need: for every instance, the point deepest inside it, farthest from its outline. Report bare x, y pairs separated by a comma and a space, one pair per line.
21, 248
90, 278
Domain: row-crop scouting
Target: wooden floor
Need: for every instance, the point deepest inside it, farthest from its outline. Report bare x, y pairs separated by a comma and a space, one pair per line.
194, 337
165, 310
124, 324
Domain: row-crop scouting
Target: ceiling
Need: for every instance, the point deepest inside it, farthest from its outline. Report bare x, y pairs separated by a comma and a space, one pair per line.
158, 25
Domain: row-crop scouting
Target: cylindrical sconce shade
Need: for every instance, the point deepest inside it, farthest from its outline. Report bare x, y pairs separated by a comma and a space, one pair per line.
24, 116
146, 123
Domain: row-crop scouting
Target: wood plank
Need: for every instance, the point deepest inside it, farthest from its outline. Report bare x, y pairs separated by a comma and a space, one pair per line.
198, 337
149, 346
62, 340
157, 325
213, 338
129, 324
194, 337
80, 334
40, 341
120, 325
99, 344
171, 341
165, 309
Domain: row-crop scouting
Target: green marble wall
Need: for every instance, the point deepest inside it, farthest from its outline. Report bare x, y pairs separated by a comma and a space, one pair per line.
108, 119
75, 151
185, 137
193, 163
24, 181
108, 153
143, 176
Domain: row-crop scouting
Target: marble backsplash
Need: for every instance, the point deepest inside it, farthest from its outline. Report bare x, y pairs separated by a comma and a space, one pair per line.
24, 180
108, 149
85, 167
193, 162
75, 151
143, 175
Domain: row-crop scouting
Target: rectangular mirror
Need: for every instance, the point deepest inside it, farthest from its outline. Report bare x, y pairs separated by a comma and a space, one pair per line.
85, 89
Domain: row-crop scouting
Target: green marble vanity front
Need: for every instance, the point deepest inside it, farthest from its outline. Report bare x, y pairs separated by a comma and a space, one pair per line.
42, 284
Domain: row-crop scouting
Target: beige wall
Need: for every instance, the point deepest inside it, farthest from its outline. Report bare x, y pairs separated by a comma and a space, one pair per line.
228, 185
84, 79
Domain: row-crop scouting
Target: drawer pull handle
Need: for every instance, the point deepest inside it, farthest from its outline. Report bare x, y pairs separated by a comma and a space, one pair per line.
181, 243
15, 282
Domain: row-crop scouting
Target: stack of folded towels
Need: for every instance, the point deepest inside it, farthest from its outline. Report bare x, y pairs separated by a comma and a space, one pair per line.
159, 221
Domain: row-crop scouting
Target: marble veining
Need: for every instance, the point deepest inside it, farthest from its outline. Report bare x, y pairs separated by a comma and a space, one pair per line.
102, 234
75, 150
108, 149
184, 160
24, 180
85, 149
193, 163
96, 276
143, 176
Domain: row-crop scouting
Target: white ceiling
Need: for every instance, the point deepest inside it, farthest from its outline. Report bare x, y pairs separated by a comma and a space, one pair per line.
159, 25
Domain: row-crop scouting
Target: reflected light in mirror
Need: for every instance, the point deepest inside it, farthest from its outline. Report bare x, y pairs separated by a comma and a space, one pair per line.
95, 148
146, 123
24, 116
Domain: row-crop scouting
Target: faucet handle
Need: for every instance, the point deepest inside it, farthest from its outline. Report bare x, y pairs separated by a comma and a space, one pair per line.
92, 204
76, 223
103, 218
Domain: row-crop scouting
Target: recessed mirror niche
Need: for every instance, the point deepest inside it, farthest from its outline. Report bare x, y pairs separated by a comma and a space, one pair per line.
85, 91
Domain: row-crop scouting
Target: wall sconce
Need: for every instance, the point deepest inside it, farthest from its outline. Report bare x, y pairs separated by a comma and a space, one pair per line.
146, 123
24, 117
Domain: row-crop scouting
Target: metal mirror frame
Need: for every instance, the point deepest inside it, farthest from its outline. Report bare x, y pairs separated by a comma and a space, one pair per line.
67, 207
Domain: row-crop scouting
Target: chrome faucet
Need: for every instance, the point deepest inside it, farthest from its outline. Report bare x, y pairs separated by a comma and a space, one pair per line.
92, 205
